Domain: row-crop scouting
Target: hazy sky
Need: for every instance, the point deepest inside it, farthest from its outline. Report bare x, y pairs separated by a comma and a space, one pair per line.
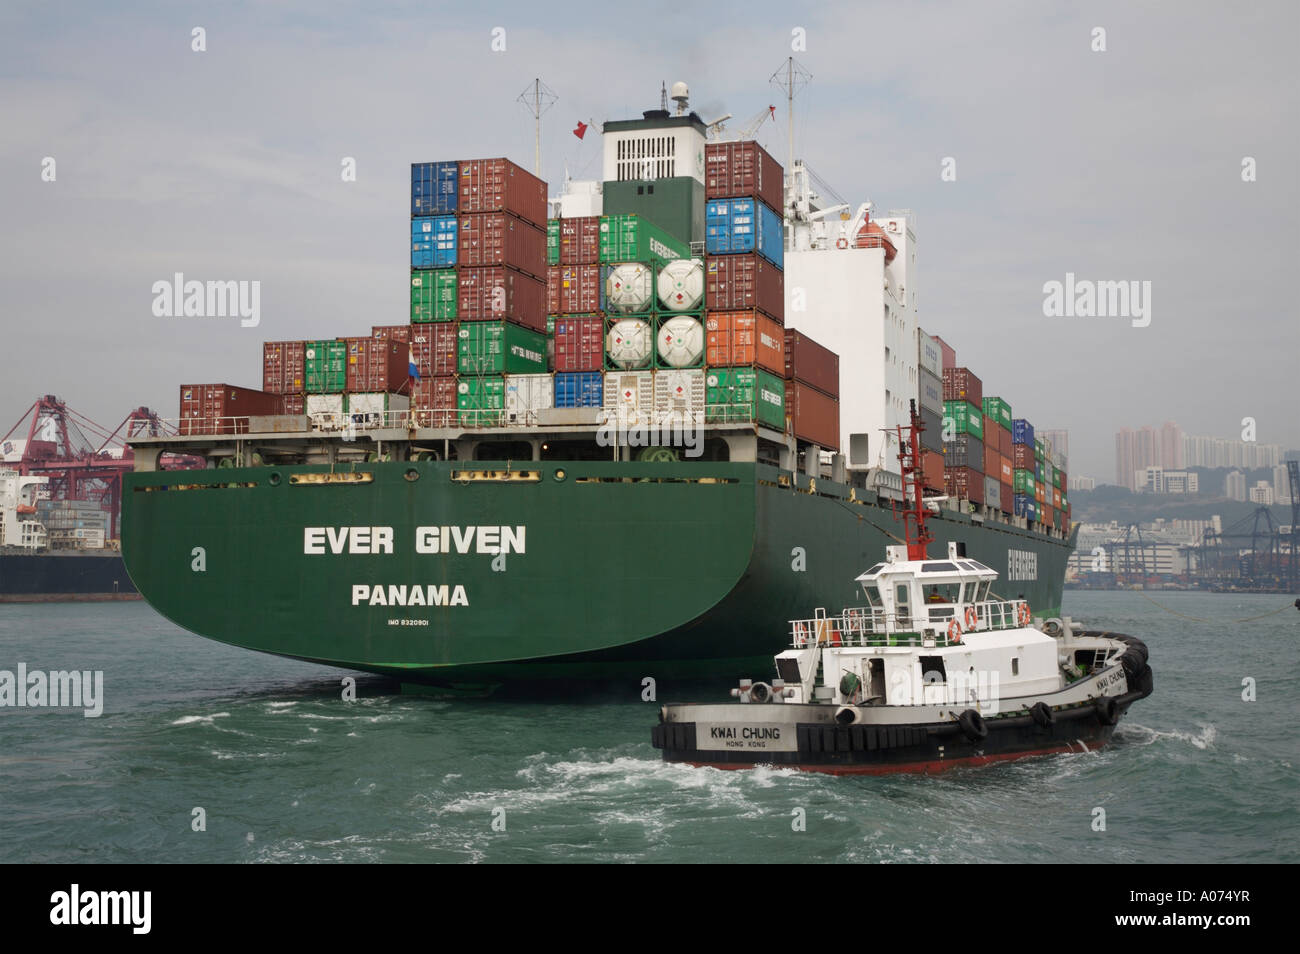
225, 164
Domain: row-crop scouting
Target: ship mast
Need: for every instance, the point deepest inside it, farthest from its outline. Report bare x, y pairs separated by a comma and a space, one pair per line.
909, 457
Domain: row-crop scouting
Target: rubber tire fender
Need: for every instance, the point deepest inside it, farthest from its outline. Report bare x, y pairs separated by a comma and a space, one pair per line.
972, 726
1107, 710
1043, 715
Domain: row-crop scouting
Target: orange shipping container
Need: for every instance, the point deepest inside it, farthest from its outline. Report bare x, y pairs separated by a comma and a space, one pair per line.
812, 416
931, 470
740, 338
1007, 472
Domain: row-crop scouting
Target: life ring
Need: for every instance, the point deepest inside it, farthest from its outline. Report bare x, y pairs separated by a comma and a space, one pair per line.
841, 242
954, 632
1023, 614
972, 617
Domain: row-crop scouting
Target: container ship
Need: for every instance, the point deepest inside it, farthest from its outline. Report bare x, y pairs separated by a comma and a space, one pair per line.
622, 434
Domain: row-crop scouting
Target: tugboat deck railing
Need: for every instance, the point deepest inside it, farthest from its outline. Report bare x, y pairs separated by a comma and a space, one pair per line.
867, 626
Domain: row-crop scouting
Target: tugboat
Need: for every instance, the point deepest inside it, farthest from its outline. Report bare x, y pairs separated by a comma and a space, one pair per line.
936, 670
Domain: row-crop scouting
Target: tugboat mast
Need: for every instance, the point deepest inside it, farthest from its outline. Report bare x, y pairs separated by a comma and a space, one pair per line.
909, 456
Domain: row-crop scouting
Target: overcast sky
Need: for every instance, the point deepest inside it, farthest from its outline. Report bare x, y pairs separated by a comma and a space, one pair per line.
225, 164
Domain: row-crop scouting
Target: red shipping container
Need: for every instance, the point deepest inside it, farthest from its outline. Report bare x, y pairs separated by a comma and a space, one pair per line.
498, 185
434, 347
1006, 472
811, 363
1004, 441
579, 344
433, 402
740, 282
959, 384
1023, 456
283, 367
223, 408
812, 416
580, 240
964, 482
377, 365
498, 238
1008, 502
497, 293
573, 289
931, 469
743, 169
736, 339
949, 356
391, 332
294, 404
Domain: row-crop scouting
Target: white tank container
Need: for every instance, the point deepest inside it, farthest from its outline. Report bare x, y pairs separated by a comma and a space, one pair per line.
630, 343
679, 398
681, 342
629, 289
681, 284
629, 399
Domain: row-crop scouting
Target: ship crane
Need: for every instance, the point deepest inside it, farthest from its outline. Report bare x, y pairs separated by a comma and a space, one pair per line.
747, 131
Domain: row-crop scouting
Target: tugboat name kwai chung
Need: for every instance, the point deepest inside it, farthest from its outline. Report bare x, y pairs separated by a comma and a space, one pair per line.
935, 671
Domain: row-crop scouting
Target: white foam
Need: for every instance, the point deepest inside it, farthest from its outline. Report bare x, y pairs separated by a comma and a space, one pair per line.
190, 720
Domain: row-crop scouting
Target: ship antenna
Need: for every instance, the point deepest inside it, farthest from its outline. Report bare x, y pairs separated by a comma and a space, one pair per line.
909, 455
537, 98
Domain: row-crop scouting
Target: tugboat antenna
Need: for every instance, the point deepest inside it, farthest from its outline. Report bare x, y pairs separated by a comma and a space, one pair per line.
909, 454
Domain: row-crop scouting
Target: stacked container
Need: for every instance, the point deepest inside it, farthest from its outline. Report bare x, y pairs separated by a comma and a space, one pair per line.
223, 408
1025, 483
812, 381
284, 372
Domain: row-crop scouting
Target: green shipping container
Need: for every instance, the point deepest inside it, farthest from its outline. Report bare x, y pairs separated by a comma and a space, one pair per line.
744, 394
1058, 478
433, 295
326, 368
552, 241
999, 410
631, 238
965, 418
1038, 448
481, 401
1023, 482
675, 205
498, 347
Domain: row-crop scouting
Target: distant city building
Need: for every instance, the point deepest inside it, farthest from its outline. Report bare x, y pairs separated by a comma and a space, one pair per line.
1083, 483
1234, 486
1262, 494
1060, 440
1135, 451
1281, 485
1157, 480
1171, 446
1221, 452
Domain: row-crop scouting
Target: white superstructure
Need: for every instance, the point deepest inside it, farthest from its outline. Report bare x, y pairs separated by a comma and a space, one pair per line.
18, 497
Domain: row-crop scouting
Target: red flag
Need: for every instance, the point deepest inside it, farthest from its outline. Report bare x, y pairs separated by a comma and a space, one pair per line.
581, 130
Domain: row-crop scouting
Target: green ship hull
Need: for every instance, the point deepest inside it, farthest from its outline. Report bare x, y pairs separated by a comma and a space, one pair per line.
482, 574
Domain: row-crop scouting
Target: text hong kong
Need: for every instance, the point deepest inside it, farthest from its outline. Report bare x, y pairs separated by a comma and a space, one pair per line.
380, 540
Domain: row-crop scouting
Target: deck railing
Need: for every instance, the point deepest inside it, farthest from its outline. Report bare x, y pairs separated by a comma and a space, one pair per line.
869, 626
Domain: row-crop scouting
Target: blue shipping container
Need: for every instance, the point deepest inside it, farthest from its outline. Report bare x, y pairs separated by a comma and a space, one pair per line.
1026, 506
579, 389
435, 186
743, 225
1022, 432
433, 242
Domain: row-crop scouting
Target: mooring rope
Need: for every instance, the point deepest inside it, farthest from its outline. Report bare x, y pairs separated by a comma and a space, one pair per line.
1201, 619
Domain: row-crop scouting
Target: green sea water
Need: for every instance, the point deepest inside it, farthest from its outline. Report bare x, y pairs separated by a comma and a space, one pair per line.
285, 769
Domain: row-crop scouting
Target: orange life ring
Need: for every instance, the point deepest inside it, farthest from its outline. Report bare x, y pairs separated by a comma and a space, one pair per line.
954, 632
972, 617
1024, 615
841, 242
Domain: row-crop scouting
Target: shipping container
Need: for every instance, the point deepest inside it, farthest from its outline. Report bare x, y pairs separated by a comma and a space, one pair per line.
743, 169
552, 242
744, 394
481, 400
679, 398
579, 343
960, 384
812, 363
676, 204
948, 356
378, 409
1022, 481
579, 240
579, 389
1039, 453
497, 347
327, 412
743, 225
433, 296
374, 365
325, 366
526, 394
1025, 506
498, 238
391, 332
1040, 492
1058, 478
932, 469
679, 342
931, 390
965, 482
1006, 471
1005, 442
629, 399
990, 433
964, 450
929, 356
433, 242
740, 338
434, 402
932, 436
435, 349
999, 410
681, 285
295, 404
434, 187
496, 293
1022, 432
284, 367
632, 238
744, 281
628, 289
962, 417
992, 492
630, 343
573, 289
498, 185
812, 416
1056, 497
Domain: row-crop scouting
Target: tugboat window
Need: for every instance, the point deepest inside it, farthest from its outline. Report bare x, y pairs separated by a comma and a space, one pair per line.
932, 669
